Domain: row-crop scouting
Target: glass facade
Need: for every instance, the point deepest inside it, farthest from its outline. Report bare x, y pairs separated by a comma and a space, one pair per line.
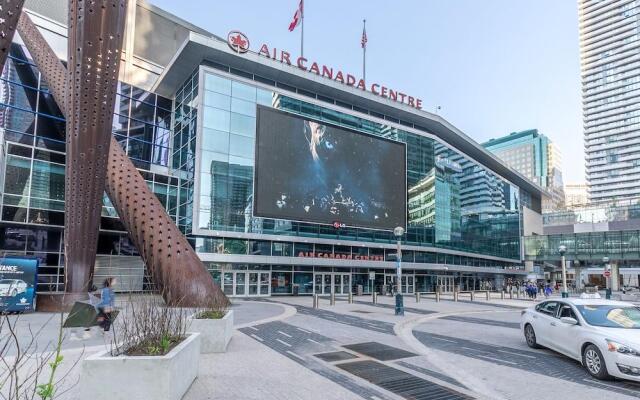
610, 89
32, 167
454, 203
589, 246
196, 153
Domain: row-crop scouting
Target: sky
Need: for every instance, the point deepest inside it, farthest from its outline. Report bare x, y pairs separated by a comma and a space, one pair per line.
493, 66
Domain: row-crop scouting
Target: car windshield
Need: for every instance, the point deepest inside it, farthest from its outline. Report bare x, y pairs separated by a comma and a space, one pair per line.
611, 316
6, 281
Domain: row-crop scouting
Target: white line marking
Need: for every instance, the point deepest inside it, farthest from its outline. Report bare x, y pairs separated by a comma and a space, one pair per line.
311, 340
284, 343
282, 333
254, 328
295, 355
257, 337
444, 340
604, 384
303, 330
495, 359
516, 354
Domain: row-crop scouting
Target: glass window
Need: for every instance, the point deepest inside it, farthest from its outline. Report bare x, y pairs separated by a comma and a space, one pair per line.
242, 125
265, 97
211, 162
548, 308
13, 238
51, 128
241, 146
141, 131
216, 119
260, 247
14, 214
214, 140
140, 150
235, 246
243, 91
282, 249
217, 100
304, 281
17, 175
281, 282
48, 180
18, 120
217, 84
611, 316
243, 107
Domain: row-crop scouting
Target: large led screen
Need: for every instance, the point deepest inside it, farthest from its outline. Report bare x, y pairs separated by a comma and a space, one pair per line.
310, 171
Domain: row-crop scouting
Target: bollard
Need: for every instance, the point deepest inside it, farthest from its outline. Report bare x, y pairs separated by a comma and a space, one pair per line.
518, 294
417, 297
332, 299
511, 295
472, 295
350, 298
437, 296
315, 301
502, 295
374, 298
455, 296
488, 295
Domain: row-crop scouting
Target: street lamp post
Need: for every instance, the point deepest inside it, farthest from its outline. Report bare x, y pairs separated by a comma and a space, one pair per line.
563, 249
607, 267
398, 232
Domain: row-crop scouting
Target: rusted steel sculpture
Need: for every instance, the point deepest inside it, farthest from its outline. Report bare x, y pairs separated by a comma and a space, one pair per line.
173, 264
95, 42
10, 11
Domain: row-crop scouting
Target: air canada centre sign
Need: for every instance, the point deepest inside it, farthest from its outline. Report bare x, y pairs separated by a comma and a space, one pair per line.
239, 43
312, 254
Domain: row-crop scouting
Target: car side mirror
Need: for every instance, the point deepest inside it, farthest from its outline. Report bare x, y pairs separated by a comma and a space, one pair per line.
569, 320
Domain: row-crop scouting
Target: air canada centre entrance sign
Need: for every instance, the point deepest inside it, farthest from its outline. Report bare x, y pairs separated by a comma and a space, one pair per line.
239, 43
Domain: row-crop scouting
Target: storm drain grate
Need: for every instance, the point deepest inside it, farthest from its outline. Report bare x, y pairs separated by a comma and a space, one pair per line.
401, 383
379, 351
335, 356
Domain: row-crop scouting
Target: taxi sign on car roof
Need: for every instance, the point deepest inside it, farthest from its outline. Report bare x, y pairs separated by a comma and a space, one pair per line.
590, 296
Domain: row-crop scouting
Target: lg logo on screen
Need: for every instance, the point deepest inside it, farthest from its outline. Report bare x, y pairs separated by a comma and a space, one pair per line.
339, 225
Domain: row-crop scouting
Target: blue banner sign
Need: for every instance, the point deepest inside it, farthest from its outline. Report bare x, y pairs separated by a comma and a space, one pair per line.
18, 284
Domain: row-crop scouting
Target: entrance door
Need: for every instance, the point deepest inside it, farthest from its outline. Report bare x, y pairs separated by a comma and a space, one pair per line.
325, 282
242, 283
446, 283
407, 285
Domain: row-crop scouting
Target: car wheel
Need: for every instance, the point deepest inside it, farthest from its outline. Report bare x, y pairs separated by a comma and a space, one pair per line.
593, 361
530, 337
14, 293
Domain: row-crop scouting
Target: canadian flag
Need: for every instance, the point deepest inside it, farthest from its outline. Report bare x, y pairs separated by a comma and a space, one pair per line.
297, 17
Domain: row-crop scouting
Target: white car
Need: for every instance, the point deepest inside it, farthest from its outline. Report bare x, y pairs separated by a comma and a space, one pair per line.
12, 287
604, 335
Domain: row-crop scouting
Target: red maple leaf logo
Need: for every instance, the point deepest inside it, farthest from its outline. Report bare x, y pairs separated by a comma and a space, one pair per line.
238, 41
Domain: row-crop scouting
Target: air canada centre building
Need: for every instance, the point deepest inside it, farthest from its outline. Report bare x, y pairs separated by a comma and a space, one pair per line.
287, 174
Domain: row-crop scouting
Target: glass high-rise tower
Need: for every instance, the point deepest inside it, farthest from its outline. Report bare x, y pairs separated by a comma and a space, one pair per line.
610, 64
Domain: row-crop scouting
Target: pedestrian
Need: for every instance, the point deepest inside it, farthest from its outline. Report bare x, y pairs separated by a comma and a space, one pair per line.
94, 301
106, 305
547, 291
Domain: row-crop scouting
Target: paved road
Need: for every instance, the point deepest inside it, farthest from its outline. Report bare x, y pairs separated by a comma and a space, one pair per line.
494, 339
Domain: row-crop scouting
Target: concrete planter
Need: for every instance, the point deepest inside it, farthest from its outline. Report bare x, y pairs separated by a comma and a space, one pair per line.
167, 377
215, 333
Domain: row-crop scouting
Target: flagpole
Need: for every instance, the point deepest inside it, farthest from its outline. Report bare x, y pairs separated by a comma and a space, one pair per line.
302, 30
364, 53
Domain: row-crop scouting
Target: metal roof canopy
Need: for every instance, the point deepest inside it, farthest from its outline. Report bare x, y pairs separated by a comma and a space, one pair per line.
198, 48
